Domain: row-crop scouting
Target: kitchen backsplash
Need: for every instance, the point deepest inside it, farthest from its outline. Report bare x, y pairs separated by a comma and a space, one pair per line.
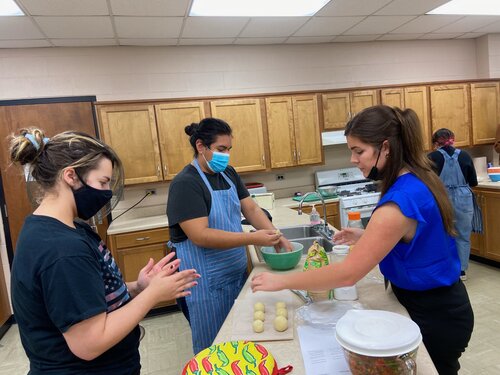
295, 179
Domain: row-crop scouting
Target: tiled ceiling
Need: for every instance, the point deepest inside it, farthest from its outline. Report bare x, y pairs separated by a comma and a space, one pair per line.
77, 23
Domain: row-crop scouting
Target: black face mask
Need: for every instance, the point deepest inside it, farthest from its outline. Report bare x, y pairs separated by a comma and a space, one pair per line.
90, 200
374, 173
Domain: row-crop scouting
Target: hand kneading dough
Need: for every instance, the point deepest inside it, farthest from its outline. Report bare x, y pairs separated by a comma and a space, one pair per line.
259, 306
258, 315
280, 305
280, 323
282, 312
258, 326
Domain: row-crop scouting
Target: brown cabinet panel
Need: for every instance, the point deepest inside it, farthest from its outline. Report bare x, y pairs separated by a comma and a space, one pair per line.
307, 134
393, 97
336, 110
362, 99
132, 260
131, 131
450, 108
280, 128
491, 208
417, 98
141, 238
485, 107
245, 118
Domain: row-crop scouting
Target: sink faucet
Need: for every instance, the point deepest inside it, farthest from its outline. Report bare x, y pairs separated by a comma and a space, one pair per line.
325, 229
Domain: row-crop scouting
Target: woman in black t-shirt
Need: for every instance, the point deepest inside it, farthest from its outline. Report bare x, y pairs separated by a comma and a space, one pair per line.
75, 312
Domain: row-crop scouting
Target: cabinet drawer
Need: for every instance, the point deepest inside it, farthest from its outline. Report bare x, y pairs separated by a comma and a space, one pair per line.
141, 238
332, 209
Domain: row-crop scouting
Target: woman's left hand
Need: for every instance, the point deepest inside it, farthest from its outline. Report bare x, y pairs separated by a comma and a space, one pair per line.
267, 281
283, 244
151, 269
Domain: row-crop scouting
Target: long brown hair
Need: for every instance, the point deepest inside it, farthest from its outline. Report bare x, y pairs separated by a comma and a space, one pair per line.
402, 130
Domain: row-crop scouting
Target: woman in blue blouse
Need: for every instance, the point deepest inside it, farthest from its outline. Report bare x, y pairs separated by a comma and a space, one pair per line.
410, 235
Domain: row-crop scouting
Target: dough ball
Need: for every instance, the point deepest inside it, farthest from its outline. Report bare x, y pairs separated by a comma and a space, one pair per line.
259, 306
280, 323
278, 232
258, 326
280, 305
282, 312
258, 315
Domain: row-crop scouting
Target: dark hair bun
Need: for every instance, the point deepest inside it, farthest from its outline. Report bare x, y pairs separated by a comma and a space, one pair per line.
25, 147
192, 129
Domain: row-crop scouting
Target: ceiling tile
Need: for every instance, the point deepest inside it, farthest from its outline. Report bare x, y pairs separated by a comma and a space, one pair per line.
308, 39
426, 24
440, 36
65, 7
255, 41
206, 42
24, 43
272, 26
83, 42
355, 38
321, 26
470, 35
147, 42
213, 27
378, 25
19, 27
491, 28
76, 27
409, 7
351, 7
148, 27
469, 23
170, 8
399, 36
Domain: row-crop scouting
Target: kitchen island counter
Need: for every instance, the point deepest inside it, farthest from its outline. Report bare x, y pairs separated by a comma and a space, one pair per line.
371, 293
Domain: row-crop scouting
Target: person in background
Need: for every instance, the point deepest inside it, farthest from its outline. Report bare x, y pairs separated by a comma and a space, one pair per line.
496, 146
456, 169
410, 236
75, 313
205, 203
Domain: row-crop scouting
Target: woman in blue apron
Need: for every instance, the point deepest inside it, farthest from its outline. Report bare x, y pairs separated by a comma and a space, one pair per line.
205, 203
456, 169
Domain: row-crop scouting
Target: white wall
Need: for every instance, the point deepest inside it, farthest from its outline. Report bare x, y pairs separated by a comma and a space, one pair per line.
127, 73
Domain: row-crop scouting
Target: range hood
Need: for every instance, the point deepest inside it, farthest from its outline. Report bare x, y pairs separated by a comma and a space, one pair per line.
333, 138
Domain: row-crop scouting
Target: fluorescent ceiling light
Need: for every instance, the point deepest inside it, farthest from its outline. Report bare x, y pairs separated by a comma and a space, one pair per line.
469, 7
10, 8
256, 8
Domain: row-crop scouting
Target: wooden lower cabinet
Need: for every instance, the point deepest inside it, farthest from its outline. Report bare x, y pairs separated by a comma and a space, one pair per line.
332, 212
487, 244
132, 251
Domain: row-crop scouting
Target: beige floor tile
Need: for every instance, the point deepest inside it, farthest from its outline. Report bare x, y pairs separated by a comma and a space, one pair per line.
166, 347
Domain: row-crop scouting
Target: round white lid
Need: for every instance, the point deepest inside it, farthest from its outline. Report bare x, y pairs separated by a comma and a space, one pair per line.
340, 249
377, 333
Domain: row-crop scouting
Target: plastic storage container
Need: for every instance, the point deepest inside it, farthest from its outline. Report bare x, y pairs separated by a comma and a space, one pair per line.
315, 218
346, 293
354, 220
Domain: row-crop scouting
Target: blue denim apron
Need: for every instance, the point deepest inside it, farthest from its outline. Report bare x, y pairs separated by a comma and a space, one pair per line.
223, 272
460, 196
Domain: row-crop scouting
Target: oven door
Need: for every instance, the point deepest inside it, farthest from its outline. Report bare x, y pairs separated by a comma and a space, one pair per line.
365, 212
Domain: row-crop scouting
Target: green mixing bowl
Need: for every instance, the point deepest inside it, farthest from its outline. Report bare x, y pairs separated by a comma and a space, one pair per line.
284, 260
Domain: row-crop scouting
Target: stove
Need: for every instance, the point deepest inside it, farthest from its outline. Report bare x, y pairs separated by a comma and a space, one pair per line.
355, 191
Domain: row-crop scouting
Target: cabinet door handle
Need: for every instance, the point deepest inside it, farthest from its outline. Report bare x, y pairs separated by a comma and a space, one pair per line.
298, 154
165, 169
294, 155
158, 170
142, 238
263, 159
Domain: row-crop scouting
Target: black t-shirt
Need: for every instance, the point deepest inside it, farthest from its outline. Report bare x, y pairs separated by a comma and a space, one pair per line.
189, 198
464, 160
60, 277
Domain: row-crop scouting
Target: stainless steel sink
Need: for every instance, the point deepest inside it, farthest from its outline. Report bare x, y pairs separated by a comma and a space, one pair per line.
299, 231
308, 241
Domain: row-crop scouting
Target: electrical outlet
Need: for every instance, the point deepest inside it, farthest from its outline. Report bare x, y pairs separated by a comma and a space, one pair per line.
280, 177
151, 191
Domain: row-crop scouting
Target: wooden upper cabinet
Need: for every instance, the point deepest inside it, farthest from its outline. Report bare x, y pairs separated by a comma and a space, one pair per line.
336, 110
393, 97
245, 118
131, 131
485, 102
307, 132
281, 132
450, 108
362, 99
417, 98
175, 149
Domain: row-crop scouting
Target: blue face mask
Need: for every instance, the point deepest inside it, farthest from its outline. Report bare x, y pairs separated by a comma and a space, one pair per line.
219, 161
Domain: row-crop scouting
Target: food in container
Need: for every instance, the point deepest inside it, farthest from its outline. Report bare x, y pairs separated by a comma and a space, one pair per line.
379, 342
284, 260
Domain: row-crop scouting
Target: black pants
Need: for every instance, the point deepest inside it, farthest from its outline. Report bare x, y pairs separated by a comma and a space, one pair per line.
446, 320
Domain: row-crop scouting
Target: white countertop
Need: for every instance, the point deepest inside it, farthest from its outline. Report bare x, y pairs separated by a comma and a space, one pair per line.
138, 223
488, 184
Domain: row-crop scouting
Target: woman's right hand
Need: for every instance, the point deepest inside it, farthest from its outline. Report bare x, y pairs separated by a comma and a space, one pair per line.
347, 236
167, 285
265, 237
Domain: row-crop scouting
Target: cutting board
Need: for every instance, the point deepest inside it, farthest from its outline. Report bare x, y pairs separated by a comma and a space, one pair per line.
243, 317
